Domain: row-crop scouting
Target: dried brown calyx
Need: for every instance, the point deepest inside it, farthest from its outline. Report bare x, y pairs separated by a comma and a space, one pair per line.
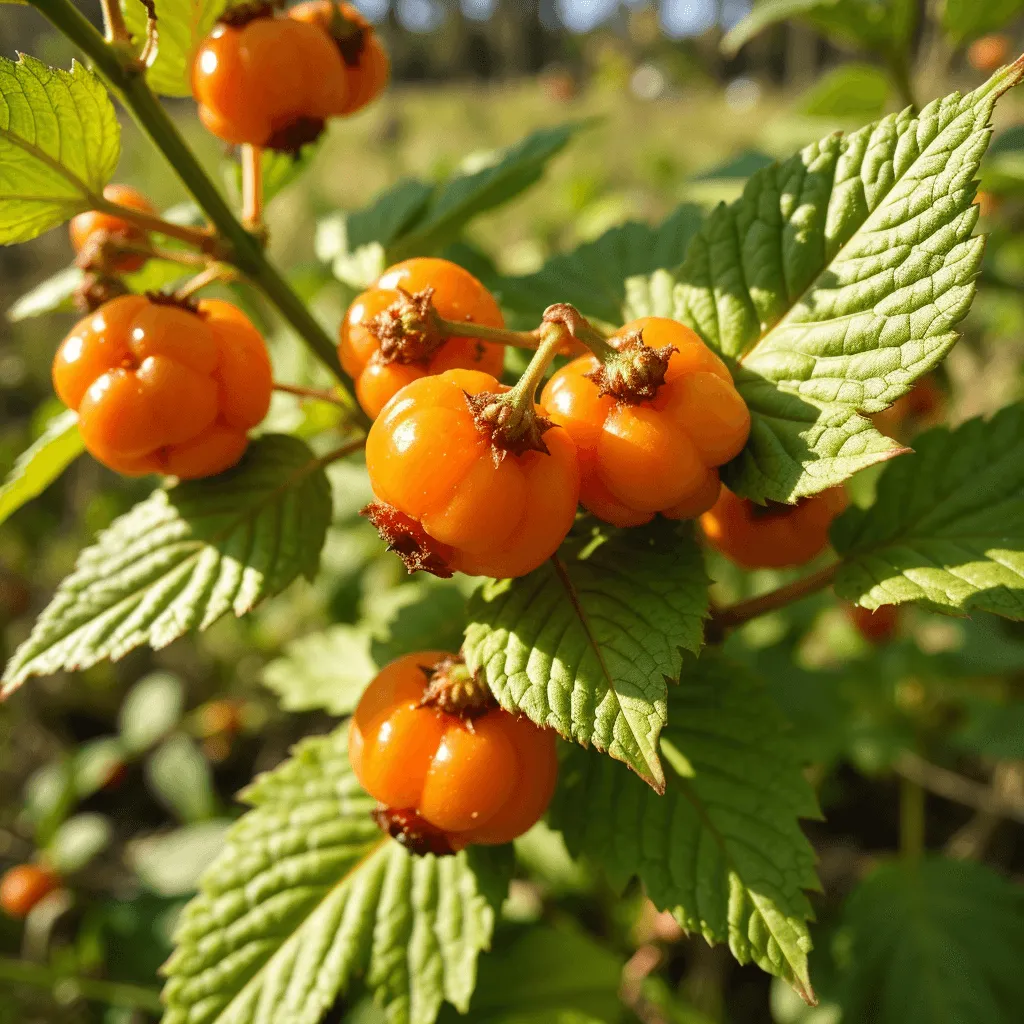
452, 688
349, 35
97, 290
416, 835
185, 302
510, 429
409, 330
242, 14
635, 372
404, 536
296, 134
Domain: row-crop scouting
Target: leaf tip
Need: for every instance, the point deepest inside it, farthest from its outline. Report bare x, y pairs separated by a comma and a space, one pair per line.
805, 990
1005, 78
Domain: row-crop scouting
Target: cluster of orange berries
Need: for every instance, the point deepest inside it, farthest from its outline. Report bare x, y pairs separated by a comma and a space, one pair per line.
272, 80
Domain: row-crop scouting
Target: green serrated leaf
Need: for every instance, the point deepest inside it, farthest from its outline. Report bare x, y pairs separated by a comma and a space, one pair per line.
722, 849
183, 25
41, 463
836, 281
325, 671
59, 145
183, 558
587, 645
462, 198
535, 975
308, 896
594, 276
938, 942
947, 526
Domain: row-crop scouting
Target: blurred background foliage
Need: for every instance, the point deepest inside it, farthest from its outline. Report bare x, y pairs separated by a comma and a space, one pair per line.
123, 776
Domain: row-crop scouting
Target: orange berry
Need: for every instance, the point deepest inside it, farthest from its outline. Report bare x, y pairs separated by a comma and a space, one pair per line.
922, 406
367, 67
163, 388
988, 53
485, 779
877, 627
657, 455
457, 296
269, 82
772, 536
24, 886
429, 461
87, 226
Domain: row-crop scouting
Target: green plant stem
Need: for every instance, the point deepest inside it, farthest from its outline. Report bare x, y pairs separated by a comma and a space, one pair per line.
203, 240
113, 20
745, 611
245, 249
495, 335
899, 72
214, 273
911, 819
315, 394
553, 339
112, 993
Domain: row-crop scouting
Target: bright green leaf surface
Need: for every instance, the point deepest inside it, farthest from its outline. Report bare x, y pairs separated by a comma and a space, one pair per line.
849, 91
939, 942
183, 558
183, 25
722, 849
587, 646
836, 281
947, 527
59, 145
40, 464
308, 896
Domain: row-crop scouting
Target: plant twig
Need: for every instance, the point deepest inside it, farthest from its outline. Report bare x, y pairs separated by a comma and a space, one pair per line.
952, 786
244, 250
151, 47
198, 237
912, 820
745, 611
252, 187
971, 841
94, 989
113, 21
315, 393
211, 275
343, 452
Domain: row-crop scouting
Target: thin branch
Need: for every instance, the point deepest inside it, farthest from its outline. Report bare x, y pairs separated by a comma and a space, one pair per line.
951, 786
109, 992
314, 393
149, 51
252, 187
343, 452
745, 611
198, 237
213, 274
113, 20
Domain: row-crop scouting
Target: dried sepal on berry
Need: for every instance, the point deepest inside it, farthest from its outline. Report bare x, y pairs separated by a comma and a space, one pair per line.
408, 829
635, 373
409, 330
453, 688
407, 539
509, 429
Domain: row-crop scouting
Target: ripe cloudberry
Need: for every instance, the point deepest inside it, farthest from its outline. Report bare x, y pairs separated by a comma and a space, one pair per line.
448, 778
268, 81
922, 406
160, 388
447, 502
772, 536
24, 886
92, 227
367, 67
388, 339
877, 627
652, 431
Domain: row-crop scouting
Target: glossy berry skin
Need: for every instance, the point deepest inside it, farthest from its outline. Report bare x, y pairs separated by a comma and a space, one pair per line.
427, 458
87, 226
24, 886
458, 296
772, 536
162, 389
661, 454
877, 627
367, 67
271, 82
485, 780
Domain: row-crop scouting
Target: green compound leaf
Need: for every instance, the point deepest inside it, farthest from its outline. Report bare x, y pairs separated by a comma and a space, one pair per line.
947, 526
59, 145
587, 645
40, 464
939, 942
594, 277
308, 897
183, 558
836, 281
722, 849
183, 25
